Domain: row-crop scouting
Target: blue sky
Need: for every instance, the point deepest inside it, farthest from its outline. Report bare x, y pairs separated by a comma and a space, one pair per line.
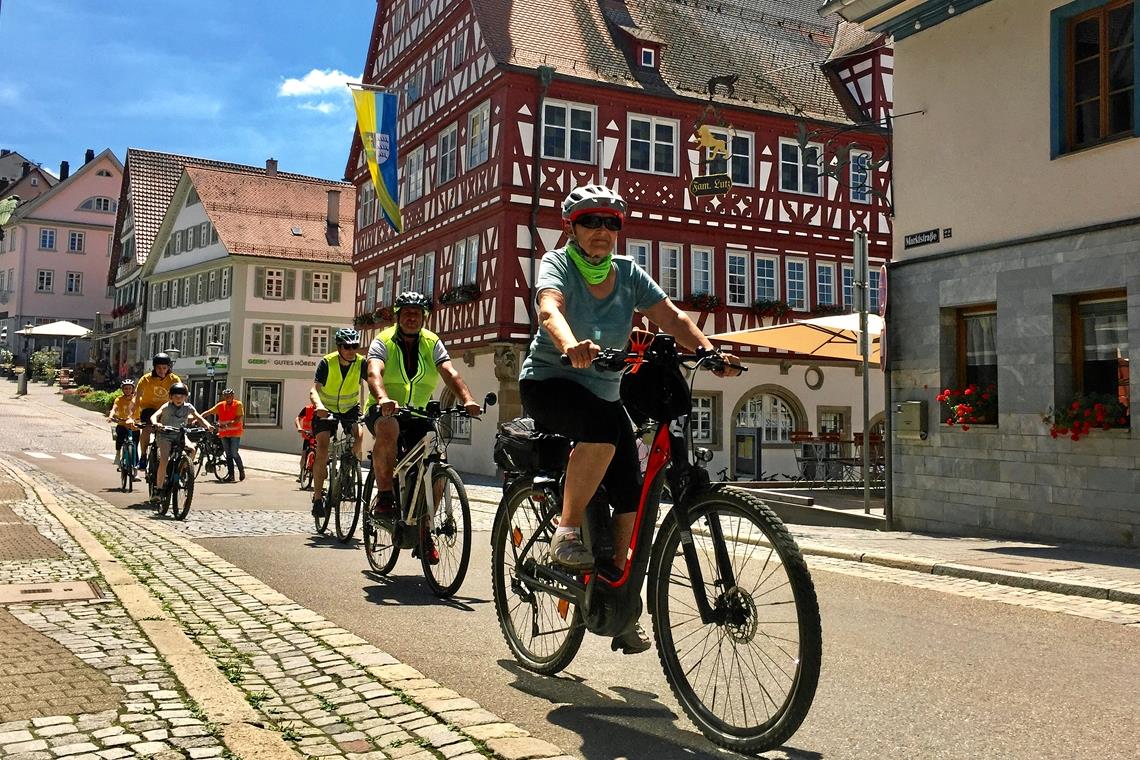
233, 80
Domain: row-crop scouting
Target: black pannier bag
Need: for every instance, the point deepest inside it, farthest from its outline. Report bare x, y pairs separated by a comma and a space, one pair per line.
521, 448
657, 391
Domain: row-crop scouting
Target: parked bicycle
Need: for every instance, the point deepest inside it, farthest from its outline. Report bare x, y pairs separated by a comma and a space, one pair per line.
733, 607
177, 491
433, 515
125, 453
342, 494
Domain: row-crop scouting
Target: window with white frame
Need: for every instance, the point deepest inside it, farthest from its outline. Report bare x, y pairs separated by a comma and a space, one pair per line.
428, 268
472, 261
201, 289
318, 341
701, 421
772, 414
848, 286
799, 168
652, 144
568, 131
767, 278
388, 280
701, 280
737, 279
873, 289
76, 241
175, 294
479, 134
459, 49
825, 284
446, 153
74, 283
648, 60
639, 250
670, 279
439, 67
795, 275
322, 286
370, 291
198, 341
405, 276
271, 339
414, 173
225, 283
274, 283
47, 239
223, 336
739, 165
415, 87
860, 176
45, 280
418, 274
186, 290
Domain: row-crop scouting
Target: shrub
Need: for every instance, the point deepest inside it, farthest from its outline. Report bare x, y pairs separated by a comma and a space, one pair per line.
44, 363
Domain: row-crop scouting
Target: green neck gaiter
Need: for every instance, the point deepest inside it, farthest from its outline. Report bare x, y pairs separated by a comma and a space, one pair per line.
595, 274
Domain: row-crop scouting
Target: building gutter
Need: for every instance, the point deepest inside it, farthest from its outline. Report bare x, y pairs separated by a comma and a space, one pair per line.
545, 77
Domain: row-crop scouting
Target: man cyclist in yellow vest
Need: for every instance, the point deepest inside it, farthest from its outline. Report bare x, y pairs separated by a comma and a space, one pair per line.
152, 391
405, 363
336, 397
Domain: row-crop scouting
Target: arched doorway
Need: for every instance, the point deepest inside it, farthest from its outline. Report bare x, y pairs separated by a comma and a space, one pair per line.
764, 418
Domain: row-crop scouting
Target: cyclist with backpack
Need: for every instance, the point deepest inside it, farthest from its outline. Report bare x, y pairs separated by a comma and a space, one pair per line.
586, 299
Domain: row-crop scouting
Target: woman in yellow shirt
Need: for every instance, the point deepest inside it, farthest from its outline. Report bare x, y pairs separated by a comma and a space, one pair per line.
231, 419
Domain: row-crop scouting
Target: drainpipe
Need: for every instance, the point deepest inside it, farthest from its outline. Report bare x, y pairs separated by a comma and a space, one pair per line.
545, 76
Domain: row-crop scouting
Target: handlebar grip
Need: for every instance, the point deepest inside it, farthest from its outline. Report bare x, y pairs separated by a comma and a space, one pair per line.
564, 360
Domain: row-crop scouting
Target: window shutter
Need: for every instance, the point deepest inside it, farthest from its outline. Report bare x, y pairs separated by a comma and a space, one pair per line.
306, 343
334, 291
290, 284
258, 338
259, 282
306, 286
287, 339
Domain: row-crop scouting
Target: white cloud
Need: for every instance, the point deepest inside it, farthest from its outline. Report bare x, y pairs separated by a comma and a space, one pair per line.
324, 106
316, 82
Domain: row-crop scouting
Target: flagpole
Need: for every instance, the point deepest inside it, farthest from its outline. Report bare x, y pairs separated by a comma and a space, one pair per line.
372, 87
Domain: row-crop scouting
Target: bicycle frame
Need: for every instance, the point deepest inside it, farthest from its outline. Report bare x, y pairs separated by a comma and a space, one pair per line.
426, 452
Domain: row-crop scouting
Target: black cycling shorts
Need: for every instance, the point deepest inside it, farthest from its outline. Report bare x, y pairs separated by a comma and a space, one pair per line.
145, 414
412, 429
564, 407
328, 424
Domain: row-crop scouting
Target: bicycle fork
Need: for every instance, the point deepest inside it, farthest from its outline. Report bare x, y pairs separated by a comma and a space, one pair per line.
726, 577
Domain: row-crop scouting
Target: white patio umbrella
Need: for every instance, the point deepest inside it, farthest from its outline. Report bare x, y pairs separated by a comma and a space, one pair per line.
59, 329
834, 337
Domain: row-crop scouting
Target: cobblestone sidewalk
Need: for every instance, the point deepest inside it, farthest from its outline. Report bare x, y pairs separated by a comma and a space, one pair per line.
327, 692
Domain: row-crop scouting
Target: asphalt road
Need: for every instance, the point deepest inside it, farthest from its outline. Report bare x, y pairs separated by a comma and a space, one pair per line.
907, 673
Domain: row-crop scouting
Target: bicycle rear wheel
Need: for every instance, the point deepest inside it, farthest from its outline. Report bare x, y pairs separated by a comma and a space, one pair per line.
182, 491
450, 531
379, 547
747, 680
331, 477
543, 632
348, 504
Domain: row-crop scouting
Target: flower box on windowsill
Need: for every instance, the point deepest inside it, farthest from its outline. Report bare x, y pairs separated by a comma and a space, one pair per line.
459, 294
1086, 413
969, 406
708, 302
771, 308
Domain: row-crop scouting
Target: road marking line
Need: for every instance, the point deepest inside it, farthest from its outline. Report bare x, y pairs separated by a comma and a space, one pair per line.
76, 456
39, 455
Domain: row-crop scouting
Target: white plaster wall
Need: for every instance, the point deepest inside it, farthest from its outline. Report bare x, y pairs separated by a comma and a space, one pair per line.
187, 217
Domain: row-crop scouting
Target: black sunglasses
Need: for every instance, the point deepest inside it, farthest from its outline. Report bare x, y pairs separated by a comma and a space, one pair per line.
594, 221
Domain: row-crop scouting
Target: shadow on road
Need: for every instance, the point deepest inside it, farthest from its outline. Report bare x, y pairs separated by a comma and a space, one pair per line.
634, 725
409, 591
330, 541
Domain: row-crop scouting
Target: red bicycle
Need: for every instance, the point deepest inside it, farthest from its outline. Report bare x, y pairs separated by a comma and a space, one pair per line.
308, 456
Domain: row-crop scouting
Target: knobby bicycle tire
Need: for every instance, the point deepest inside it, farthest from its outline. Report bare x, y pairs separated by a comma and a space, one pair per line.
450, 529
767, 693
518, 518
182, 490
379, 547
321, 524
349, 496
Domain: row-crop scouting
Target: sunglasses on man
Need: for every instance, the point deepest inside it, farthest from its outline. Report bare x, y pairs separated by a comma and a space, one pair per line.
594, 221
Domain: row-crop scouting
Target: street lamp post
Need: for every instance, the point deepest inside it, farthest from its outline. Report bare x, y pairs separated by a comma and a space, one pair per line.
213, 353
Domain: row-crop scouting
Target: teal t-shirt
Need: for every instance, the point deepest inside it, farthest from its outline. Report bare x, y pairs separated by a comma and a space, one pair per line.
605, 321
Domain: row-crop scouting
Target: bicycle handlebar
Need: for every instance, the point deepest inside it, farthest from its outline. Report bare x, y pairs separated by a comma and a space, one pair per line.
169, 429
616, 360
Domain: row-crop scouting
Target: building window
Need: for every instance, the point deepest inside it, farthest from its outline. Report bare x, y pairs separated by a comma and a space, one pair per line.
977, 351
702, 270
322, 286
424, 277
414, 170
648, 59
405, 276
479, 134
873, 276
848, 286
74, 283
175, 292
466, 261
795, 274
47, 239
445, 169
186, 290
860, 177
1098, 56
318, 341
670, 279
653, 144
415, 87
739, 165
262, 403
99, 203
274, 283
1100, 348
799, 168
459, 49
76, 241
639, 251
825, 284
702, 422
271, 339
438, 67
767, 282
366, 213
568, 131
224, 336
226, 283
737, 283
45, 281
201, 289
771, 414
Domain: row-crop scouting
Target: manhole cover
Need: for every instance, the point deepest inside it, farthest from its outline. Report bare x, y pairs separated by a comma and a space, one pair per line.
22, 593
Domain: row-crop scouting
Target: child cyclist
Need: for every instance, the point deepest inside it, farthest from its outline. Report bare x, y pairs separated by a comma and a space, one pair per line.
175, 413
120, 414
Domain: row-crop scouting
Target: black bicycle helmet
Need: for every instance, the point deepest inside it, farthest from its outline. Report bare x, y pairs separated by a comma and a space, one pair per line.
179, 388
347, 336
161, 358
583, 200
413, 299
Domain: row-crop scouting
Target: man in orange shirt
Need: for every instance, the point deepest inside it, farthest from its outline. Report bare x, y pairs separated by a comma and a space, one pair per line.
231, 421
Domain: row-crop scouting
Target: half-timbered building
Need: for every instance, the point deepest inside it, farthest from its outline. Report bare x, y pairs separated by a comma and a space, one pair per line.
508, 105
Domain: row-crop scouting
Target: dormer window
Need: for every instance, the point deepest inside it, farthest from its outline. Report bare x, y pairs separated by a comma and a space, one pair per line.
648, 57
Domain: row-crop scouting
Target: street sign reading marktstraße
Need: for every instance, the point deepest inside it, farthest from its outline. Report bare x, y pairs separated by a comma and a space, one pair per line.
711, 184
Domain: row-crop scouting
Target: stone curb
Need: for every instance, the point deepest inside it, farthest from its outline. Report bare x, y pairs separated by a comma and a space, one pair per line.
223, 703
959, 570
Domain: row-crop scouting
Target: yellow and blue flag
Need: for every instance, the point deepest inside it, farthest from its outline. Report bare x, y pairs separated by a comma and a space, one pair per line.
376, 119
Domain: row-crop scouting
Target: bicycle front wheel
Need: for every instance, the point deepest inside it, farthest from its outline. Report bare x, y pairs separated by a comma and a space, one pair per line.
379, 547
348, 504
182, 491
746, 678
542, 631
331, 476
449, 530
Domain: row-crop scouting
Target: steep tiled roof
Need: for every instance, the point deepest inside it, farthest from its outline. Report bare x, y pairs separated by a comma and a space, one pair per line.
255, 215
774, 46
151, 178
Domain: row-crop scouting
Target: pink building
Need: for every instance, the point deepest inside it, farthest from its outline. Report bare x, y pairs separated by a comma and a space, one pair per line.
55, 253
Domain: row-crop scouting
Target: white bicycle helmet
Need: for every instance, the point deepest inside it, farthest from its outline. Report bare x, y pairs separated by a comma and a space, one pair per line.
583, 200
